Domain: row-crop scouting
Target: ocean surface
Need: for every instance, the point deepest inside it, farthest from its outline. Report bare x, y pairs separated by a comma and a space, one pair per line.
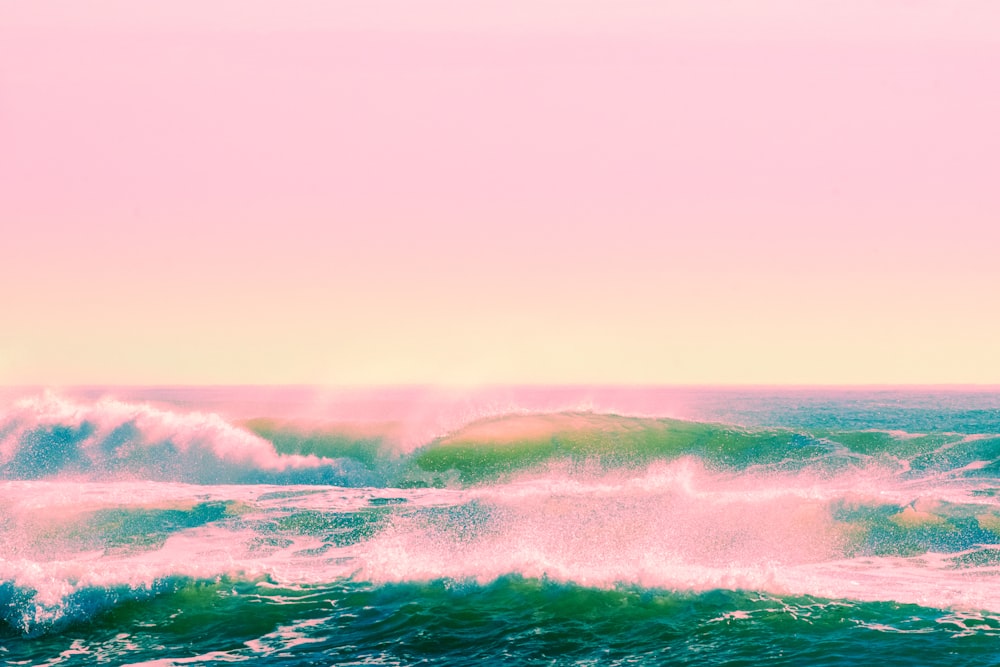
524, 526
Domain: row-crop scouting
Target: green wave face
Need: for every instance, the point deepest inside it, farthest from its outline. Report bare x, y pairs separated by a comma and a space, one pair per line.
499, 448
512, 621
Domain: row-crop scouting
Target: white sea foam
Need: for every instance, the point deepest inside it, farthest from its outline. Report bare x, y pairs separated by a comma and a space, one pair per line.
107, 501
48, 435
676, 526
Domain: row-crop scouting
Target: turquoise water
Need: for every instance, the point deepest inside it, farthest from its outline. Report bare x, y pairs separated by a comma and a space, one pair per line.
175, 526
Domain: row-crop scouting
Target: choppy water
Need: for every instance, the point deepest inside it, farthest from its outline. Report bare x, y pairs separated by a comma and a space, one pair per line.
524, 526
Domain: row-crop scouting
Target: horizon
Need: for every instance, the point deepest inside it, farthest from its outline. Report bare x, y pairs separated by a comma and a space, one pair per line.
460, 388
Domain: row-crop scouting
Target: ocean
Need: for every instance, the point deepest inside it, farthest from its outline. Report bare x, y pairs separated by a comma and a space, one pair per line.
511, 525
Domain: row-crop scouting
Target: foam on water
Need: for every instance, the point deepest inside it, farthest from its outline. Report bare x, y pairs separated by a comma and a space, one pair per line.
106, 502
678, 526
40, 437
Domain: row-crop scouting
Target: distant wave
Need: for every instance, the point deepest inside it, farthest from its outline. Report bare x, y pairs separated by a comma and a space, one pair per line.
49, 436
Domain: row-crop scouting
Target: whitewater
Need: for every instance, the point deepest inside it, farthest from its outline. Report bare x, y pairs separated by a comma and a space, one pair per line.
299, 526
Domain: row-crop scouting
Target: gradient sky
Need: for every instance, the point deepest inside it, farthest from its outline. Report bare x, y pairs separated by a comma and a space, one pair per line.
382, 191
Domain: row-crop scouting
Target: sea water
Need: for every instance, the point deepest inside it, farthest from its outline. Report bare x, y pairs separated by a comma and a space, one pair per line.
603, 526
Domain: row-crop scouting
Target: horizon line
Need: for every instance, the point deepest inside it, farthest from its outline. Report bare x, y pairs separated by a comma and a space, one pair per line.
503, 385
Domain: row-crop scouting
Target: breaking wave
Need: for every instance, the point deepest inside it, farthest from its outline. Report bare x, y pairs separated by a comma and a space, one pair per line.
111, 512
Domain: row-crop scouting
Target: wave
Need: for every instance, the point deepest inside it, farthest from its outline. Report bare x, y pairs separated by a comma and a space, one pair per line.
137, 534
514, 620
105, 504
73, 549
50, 436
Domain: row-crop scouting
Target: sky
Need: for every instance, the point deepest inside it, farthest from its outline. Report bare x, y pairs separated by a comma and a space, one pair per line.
518, 191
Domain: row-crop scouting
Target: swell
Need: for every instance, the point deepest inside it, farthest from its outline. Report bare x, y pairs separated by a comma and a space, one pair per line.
511, 620
105, 504
498, 449
866, 534
48, 436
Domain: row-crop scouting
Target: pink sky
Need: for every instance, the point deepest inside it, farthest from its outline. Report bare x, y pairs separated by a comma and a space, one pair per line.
449, 192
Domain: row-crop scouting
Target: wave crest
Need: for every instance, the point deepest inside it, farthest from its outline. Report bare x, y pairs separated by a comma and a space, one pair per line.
49, 436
